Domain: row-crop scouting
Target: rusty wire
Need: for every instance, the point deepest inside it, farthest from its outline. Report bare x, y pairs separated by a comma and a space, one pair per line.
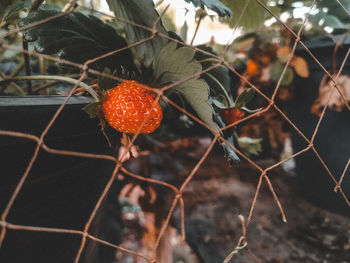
178, 191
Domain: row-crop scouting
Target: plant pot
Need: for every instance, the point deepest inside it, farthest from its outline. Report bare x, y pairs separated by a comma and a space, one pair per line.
332, 140
60, 191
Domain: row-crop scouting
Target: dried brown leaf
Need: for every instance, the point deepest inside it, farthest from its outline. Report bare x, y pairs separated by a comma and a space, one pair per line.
300, 67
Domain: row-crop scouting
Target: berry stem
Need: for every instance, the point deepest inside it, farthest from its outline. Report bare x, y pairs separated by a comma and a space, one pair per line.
59, 78
222, 88
209, 60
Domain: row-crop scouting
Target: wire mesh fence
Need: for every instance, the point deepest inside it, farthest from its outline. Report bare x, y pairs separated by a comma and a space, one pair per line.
118, 161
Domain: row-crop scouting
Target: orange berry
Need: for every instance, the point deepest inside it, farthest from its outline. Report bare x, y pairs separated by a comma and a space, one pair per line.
252, 67
231, 115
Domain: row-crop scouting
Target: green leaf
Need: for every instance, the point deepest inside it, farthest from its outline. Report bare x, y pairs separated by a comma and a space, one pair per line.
78, 38
214, 5
174, 64
335, 9
276, 70
243, 98
250, 146
142, 13
218, 79
12, 12
196, 94
334, 22
183, 31
323, 19
92, 109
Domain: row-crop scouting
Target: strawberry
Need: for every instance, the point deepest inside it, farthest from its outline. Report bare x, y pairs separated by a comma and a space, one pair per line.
130, 105
231, 115
252, 67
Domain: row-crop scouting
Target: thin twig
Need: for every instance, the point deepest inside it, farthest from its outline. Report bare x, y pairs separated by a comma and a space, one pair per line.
34, 6
27, 66
197, 28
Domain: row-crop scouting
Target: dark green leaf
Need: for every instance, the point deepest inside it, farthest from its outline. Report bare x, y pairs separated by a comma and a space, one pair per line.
218, 79
276, 70
196, 94
105, 83
92, 109
243, 98
4, 4
142, 13
12, 12
78, 38
214, 5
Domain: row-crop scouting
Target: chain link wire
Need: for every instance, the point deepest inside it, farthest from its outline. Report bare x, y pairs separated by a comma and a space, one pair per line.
118, 163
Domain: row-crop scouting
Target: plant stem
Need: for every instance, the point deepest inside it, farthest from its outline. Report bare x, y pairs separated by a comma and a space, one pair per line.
33, 7
70, 6
59, 78
208, 60
18, 88
27, 66
2, 89
159, 3
45, 86
196, 31
222, 88
17, 69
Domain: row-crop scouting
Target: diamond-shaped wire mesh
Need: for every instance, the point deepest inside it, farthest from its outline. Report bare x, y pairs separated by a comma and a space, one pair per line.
84, 235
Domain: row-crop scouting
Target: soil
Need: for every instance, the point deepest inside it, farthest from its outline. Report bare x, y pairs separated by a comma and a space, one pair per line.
220, 192
215, 197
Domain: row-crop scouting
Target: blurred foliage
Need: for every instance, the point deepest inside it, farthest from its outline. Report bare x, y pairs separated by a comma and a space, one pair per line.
214, 5
333, 8
4, 4
255, 15
326, 14
167, 19
12, 13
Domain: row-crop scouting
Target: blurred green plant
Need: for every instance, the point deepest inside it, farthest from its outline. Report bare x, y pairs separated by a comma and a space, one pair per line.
326, 15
